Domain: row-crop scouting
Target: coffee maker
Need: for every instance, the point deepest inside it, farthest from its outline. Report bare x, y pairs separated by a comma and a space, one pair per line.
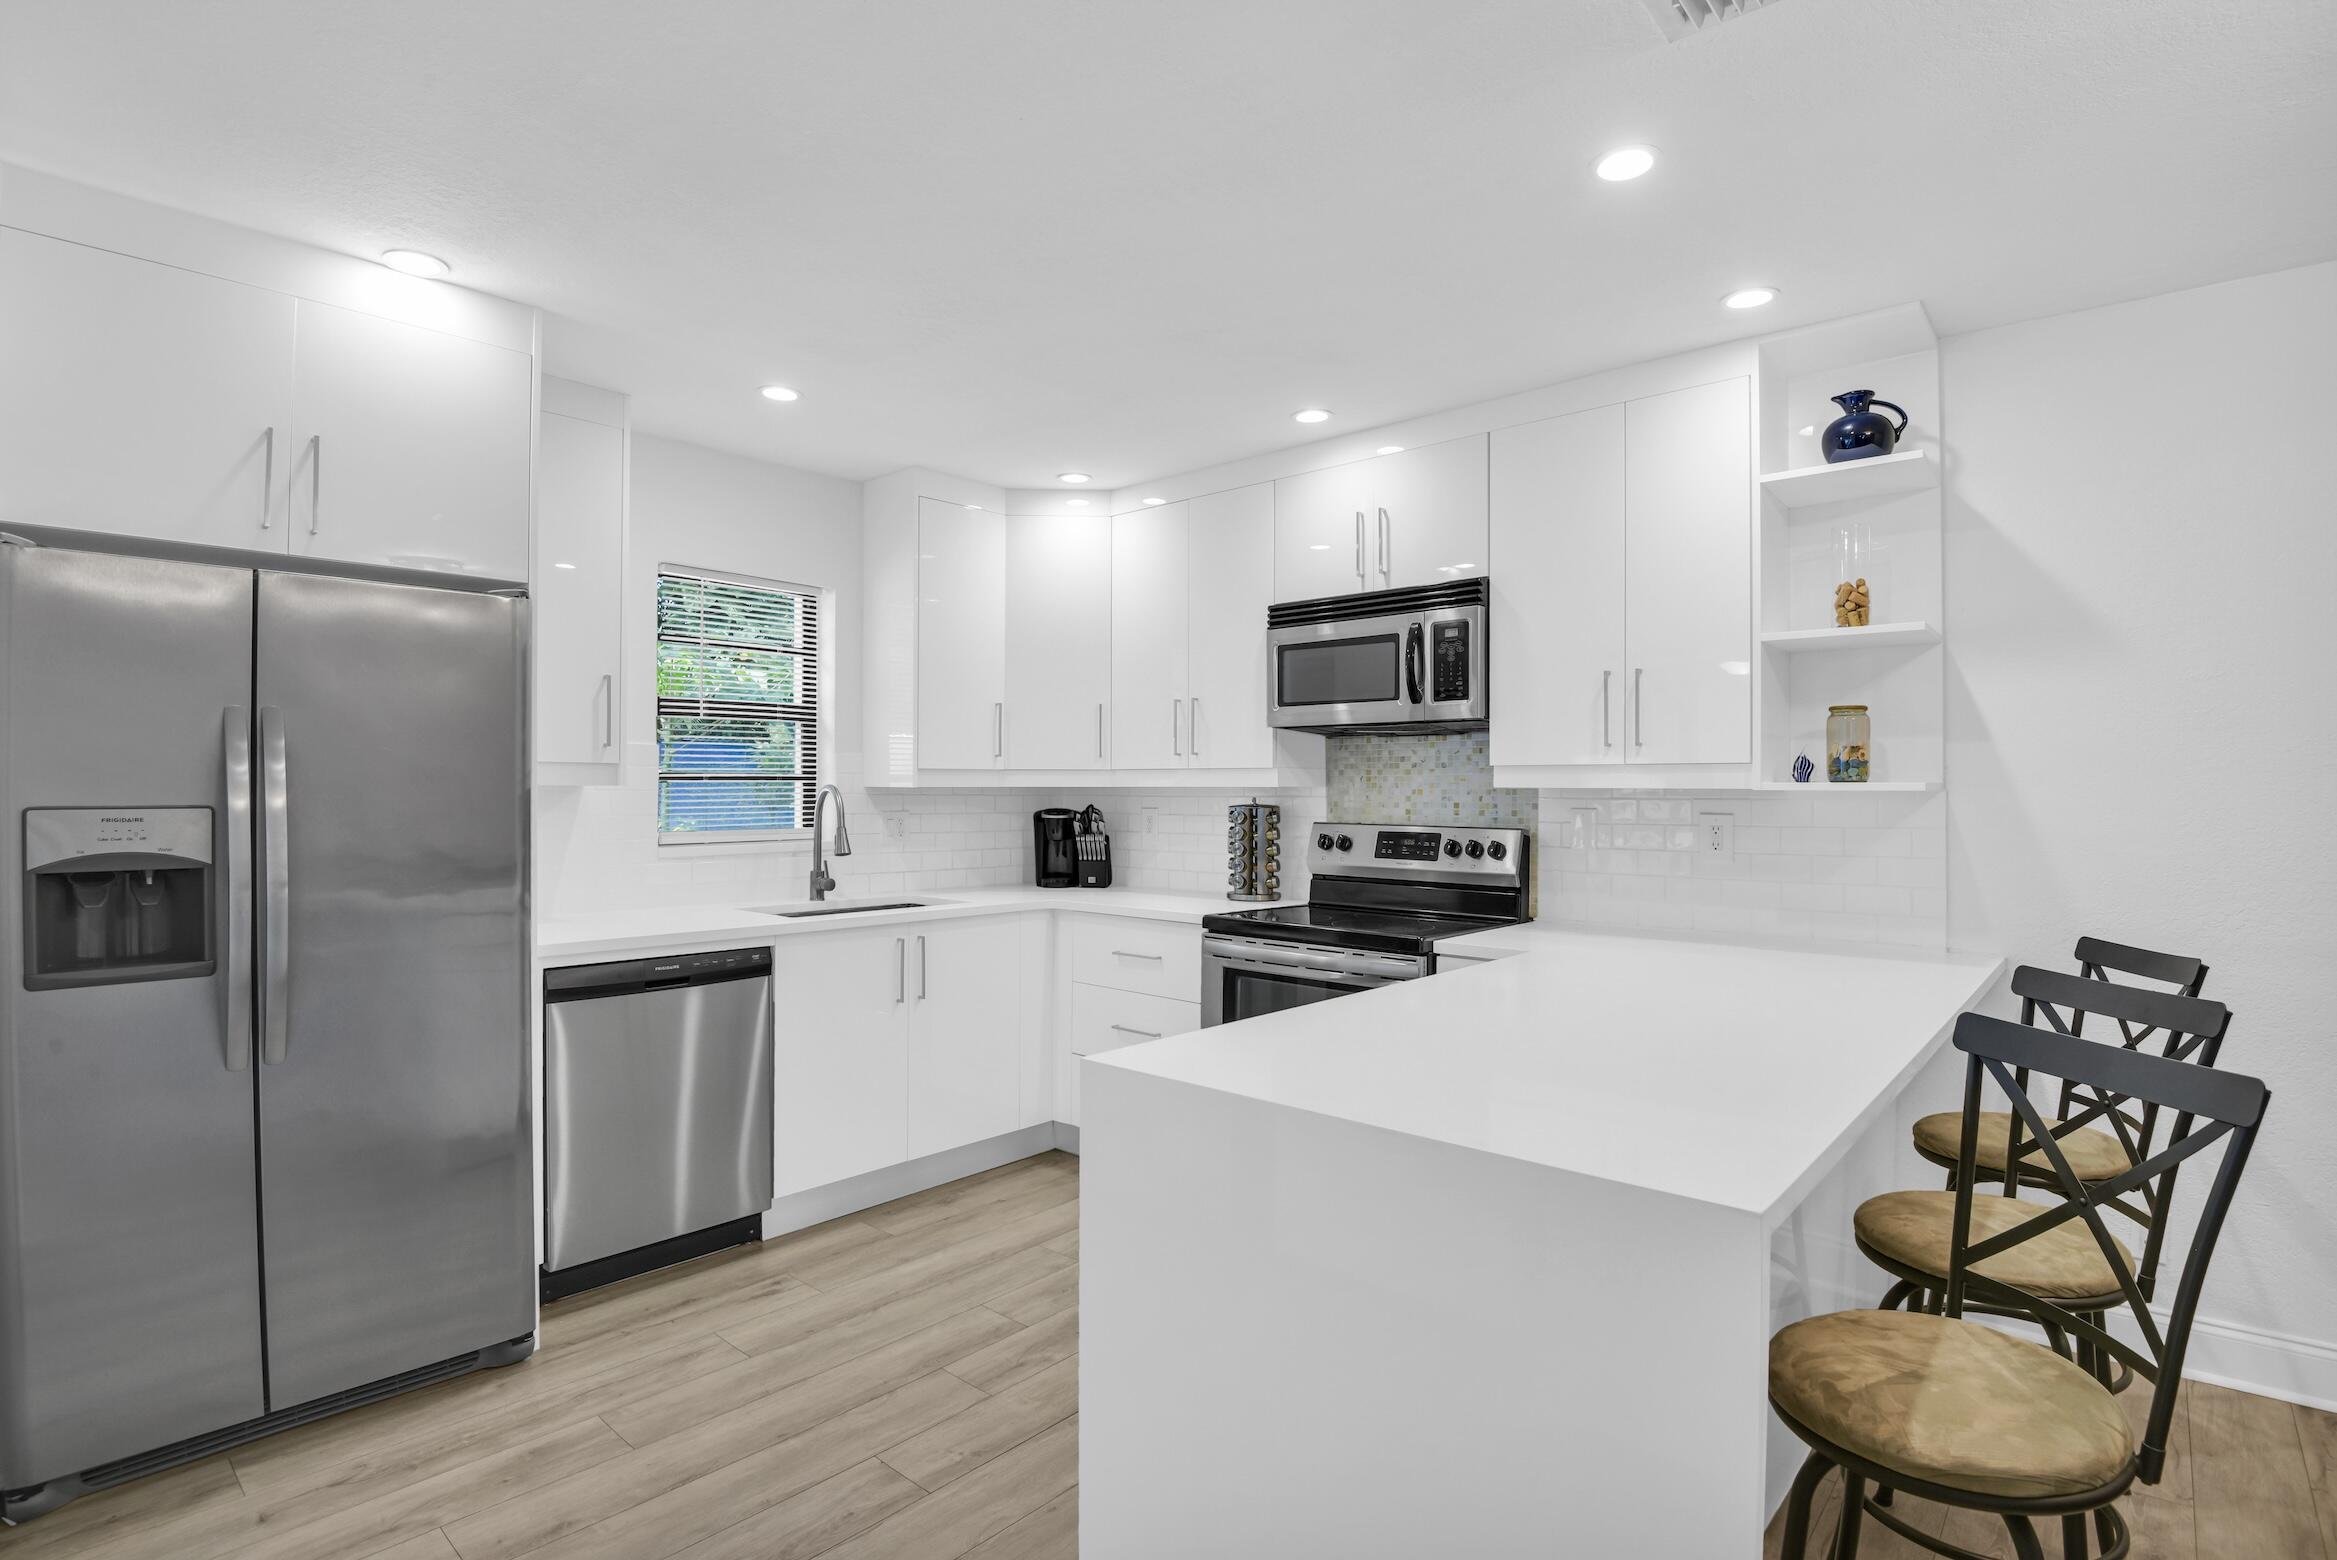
1054, 848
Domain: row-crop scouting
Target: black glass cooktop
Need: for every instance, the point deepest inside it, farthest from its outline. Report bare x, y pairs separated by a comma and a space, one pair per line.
1337, 926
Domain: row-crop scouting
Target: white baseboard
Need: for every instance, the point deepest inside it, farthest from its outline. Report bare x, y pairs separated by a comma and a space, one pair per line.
801, 1210
2249, 1359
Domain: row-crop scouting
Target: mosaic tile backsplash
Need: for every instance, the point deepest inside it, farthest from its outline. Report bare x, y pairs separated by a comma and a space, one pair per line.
1440, 779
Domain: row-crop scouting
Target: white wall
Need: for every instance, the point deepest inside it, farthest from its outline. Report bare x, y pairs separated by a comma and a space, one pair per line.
2141, 560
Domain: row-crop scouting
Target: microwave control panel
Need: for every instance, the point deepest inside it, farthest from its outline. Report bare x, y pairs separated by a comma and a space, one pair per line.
1448, 659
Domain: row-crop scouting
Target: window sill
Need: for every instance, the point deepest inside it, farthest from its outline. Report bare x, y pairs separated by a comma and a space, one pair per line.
715, 845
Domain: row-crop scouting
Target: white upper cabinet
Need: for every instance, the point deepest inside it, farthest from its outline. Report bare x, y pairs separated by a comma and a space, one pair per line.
1416, 517
1230, 574
1150, 652
1058, 641
961, 637
1318, 535
579, 587
1425, 514
142, 399
1688, 602
1622, 598
410, 446
1556, 631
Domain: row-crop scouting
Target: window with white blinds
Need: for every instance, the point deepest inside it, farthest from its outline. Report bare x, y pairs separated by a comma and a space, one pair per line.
738, 666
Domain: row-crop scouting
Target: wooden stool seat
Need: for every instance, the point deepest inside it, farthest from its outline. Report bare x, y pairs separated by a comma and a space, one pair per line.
1913, 1234
2095, 1156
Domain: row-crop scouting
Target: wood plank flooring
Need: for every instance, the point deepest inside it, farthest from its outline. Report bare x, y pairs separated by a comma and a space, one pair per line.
901, 1384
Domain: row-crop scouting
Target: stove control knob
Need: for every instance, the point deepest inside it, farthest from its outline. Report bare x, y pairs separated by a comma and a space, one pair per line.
1452, 847
1322, 842
1345, 843
1497, 850
1476, 849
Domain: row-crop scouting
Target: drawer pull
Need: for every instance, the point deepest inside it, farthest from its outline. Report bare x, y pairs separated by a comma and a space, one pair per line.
1146, 1034
1123, 953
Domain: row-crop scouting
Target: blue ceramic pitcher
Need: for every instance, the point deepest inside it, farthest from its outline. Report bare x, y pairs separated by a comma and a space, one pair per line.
1861, 433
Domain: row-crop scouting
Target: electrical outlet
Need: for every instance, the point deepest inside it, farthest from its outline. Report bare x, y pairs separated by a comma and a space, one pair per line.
1716, 836
896, 826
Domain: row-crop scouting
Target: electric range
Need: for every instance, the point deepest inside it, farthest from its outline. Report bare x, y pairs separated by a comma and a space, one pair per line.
1383, 896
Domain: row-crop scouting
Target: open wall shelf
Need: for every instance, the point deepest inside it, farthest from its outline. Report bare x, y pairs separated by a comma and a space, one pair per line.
1907, 471
1817, 787
1801, 641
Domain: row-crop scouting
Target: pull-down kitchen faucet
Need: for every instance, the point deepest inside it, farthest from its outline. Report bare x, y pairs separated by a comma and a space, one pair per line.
820, 881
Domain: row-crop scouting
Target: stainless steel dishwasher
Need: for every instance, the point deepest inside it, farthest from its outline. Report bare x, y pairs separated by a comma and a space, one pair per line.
657, 1113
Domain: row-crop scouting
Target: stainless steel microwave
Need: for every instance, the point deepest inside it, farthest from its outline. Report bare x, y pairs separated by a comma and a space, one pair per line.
1411, 660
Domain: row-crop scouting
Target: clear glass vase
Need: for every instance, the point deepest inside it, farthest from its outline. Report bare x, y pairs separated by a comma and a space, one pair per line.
1849, 744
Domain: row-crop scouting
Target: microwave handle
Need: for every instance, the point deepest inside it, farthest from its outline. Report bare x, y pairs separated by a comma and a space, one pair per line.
1412, 642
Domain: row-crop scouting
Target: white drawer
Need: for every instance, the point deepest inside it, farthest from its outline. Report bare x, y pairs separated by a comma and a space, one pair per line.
1159, 957
1103, 1019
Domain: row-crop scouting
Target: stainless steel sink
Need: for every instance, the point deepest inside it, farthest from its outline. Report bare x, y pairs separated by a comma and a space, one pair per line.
799, 912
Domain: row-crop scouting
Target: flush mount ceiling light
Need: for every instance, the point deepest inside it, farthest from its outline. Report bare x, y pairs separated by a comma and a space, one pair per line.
414, 263
779, 393
1313, 414
1390, 449
1072, 476
1156, 501
1625, 162
1750, 297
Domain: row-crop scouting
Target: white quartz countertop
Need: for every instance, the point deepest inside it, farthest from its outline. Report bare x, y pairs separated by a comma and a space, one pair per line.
1730, 1073
619, 933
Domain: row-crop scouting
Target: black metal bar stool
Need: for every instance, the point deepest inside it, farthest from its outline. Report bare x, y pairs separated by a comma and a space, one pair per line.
1960, 1413
2096, 1156
1908, 1234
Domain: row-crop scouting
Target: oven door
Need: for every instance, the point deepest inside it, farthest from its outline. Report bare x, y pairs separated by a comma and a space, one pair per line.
1353, 672
1242, 977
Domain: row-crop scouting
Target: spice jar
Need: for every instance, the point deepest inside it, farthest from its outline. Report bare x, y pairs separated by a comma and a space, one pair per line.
1848, 742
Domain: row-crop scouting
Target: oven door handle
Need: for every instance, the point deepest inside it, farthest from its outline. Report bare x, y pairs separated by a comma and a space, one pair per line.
1274, 958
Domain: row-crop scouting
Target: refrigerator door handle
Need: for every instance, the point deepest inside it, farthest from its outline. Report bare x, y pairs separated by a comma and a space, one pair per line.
235, 750
276, 883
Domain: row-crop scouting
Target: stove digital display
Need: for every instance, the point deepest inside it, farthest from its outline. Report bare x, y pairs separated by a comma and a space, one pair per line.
1407, 845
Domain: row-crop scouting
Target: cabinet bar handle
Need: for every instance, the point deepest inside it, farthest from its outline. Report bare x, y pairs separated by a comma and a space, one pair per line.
920, 969
1099, 731
608, 710
316, 479
900, 969
1176, 727
1193, 725
267, 476
1383, 544
1359, 575
1123, 953
998, 730
1607, 708
1148, 1034
1638, 725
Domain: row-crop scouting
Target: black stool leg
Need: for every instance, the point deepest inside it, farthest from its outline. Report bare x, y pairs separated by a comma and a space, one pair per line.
1797, 1508
2073, 1545
2024, 1539
1853, 1514
1893, 1296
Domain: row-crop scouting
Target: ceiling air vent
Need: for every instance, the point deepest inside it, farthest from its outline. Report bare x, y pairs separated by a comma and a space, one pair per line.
1682, 18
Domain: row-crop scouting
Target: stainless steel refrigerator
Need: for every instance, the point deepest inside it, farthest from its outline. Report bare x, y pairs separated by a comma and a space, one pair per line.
264, 1092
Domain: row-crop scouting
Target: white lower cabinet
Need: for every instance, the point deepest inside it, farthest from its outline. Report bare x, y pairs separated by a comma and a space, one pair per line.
965, 1033
1104, 1018
841, 1063
896, 1042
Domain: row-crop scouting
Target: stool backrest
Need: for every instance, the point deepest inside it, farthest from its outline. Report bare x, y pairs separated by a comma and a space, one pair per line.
2098, 960
2208, 1107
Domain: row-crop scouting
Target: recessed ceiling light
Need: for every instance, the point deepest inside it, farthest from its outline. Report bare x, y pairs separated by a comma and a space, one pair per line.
778, 393
973, 506
1156, 500
1073, 476
1312, 414
1390, 449
414, 263
1625, 162
563, 565
1750, 297
1076, 503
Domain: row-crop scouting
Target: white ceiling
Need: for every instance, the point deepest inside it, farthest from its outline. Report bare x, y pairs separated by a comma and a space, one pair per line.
1008, 238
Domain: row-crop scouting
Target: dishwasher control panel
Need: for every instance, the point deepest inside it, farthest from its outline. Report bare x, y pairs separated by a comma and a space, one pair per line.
592, 980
